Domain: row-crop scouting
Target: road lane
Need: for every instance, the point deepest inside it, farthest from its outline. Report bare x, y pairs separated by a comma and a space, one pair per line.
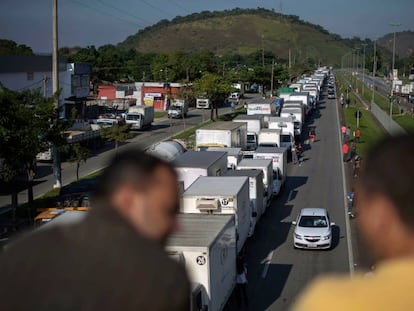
277, 272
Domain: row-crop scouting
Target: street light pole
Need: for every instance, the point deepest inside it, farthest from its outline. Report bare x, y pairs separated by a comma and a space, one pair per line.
395, 25
363, 72
374, 71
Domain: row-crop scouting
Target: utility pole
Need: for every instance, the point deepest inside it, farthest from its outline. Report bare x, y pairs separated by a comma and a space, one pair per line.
263, 62
272, 78
45, 86
374, 71
57, 170
290, 59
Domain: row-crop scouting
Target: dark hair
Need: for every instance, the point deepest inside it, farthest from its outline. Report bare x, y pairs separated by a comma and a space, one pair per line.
133, 166
389, 169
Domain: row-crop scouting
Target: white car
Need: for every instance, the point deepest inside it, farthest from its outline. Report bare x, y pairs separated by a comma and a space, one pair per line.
313, 229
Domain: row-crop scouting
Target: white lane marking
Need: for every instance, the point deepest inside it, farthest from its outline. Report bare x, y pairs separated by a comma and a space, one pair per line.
347, 225
267, 264
290, 195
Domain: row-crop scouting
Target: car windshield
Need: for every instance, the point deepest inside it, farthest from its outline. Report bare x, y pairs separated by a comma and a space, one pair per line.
133, 117
313, 222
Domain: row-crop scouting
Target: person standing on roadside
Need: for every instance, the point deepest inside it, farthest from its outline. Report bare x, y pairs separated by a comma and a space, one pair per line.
357, 135
352, 147
299, 150
112, 259
343, 131
347, 134
345, 152
356, 166
384, 205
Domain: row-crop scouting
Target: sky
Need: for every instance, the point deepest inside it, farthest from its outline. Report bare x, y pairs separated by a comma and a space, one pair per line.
98, 22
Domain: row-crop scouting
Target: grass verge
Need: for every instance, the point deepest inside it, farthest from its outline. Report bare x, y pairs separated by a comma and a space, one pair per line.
160, 114
371, 132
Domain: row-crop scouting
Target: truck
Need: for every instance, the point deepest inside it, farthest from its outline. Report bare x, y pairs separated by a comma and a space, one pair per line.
222, 134
298, 118
221, 196
296, 104
192, 164
203, 102
166, 150
256, 194
266, 167
262, 106
303, 97
178, 108
279, 164
284, 92
287, 130
206, 246
140, 117
254, 125
269, 138
234, 155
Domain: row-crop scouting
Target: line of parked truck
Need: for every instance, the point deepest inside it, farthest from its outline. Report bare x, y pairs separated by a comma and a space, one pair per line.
228, 182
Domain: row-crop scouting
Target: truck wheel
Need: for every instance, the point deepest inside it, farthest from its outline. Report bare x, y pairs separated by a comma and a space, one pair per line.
185, 115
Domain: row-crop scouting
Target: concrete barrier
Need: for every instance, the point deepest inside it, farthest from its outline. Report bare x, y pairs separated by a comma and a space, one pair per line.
392, 127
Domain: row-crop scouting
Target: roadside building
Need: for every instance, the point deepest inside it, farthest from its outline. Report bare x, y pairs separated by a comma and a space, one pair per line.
23, 72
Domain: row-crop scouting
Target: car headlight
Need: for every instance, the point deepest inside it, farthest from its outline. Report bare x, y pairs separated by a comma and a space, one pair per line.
298, 236
326, 237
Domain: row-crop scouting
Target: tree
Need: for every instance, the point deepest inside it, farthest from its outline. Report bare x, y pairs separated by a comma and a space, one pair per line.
215, 87
25, 122
79, 154
116, 133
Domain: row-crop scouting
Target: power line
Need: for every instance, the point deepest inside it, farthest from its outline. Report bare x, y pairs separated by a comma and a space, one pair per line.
106, 13
155, 7
124, 11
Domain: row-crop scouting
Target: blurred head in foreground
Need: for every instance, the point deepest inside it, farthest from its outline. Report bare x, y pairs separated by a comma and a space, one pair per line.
143, 190
385, 198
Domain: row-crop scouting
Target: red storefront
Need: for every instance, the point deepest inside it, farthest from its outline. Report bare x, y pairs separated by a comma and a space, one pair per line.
158, 94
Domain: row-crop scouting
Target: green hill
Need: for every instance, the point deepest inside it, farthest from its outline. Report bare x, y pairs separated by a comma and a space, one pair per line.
404, 43
241, 31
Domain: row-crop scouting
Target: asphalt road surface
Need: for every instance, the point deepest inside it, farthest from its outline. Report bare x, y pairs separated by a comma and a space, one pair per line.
277, 272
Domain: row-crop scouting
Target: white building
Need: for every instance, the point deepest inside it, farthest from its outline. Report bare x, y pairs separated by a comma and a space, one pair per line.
22, 72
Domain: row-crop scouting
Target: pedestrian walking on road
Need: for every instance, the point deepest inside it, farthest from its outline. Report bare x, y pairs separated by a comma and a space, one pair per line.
343, 131
114, 257
299, 150
357, 135
241, 284
294, 154
351, 203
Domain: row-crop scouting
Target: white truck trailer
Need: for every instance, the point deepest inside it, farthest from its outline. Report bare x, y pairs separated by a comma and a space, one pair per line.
298, 118
221, 195
287, 130
140, 117
202, 102
266, 167
255, 123
304, 97
178, 108
263, 106
222, 134
206, 246
191, 165
269, 138
234, 155
279, 164
256, 194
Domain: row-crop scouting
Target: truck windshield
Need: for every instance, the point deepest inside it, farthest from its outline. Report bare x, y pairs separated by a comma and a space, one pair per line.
133, 117
285, 138
251, 138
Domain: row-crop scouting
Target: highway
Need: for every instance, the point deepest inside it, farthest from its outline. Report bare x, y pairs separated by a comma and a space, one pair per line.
162, 129
277, 272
